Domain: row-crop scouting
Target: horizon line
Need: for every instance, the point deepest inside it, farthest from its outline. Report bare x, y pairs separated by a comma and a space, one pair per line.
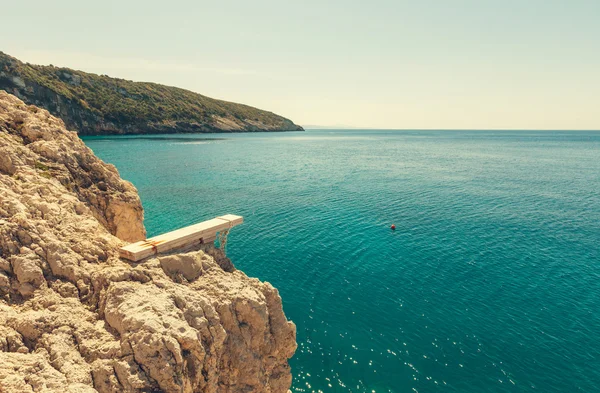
313, 127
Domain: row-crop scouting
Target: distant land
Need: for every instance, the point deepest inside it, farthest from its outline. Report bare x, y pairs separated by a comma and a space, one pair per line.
332, 127
100, 105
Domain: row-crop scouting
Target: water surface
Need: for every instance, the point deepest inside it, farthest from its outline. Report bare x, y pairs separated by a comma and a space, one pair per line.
491, 282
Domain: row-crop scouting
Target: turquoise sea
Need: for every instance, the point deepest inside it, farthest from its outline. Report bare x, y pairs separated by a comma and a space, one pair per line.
490, 283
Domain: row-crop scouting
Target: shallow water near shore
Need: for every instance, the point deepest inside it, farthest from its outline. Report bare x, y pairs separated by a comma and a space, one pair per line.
490, 283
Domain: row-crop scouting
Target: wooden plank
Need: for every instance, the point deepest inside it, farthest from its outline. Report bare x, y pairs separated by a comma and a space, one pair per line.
203, 232
209, 240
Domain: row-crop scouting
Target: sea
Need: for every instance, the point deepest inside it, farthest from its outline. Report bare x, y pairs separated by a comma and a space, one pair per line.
490, 282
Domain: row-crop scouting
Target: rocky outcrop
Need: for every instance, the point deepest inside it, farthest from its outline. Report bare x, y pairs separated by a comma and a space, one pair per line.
101, 105
76, 318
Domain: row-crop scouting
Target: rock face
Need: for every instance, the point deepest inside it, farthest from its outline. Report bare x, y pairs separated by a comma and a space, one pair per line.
101, 105
76, 318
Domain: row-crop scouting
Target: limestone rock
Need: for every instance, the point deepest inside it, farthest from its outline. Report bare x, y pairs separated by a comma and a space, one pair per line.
76, 318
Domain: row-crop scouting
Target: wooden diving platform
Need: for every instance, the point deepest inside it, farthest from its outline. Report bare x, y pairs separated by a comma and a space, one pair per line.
201, 233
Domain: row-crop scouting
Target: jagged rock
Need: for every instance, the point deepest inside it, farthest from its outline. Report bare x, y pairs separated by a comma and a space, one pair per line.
76, 318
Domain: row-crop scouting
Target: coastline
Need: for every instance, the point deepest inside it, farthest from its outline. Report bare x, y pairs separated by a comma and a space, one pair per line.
77, 318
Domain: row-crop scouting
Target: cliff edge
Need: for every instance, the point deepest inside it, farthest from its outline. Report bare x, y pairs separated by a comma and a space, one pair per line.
100, 105
76, 318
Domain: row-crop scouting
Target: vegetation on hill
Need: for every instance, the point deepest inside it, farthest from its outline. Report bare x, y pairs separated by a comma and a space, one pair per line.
97, 104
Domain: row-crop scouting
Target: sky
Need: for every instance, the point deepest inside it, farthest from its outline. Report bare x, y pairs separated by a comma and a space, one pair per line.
445, 64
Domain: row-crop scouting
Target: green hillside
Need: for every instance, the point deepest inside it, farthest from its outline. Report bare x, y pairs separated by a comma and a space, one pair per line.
98, 104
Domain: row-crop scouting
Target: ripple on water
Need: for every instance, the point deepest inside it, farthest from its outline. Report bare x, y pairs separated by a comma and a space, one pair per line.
490, 282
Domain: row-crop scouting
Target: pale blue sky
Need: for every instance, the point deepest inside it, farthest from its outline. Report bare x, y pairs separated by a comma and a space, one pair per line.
382, 64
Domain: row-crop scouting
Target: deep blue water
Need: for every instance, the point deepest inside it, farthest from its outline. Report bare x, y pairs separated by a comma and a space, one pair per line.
491, 282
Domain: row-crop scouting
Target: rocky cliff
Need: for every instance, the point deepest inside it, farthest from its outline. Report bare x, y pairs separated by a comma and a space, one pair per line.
101, 105
76, 318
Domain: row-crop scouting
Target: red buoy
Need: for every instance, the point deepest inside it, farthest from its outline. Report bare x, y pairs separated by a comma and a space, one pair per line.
393, 227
